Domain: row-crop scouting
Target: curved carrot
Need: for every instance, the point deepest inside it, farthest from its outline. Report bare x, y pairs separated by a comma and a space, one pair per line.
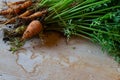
35, 15
10, 11
14, 3
25, 5
16, 9
25, 14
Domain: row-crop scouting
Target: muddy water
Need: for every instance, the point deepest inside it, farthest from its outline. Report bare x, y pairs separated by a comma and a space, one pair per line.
51, 58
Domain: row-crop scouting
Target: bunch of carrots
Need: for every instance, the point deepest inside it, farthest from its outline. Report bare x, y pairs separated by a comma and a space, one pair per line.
96, 20
19, 11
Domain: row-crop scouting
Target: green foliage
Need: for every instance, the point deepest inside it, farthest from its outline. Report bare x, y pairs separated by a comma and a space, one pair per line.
110, 23
96, 20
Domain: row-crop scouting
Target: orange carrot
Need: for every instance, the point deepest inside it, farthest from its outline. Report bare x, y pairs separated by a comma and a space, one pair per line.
25, 14
16, 9
33, 28
14, 3
25, 5
12, 20
35, 15
10, 11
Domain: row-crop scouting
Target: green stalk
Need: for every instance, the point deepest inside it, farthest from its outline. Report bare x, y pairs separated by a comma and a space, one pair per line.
93, 29
80, 8
82, 15
83, 36
63, 4
61, 19
77, 6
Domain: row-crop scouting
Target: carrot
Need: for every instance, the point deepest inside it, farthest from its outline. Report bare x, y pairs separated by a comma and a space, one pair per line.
10, 11
14, 3
12, 20
25, 5
25, 14
33, 28
16, 9
35, 15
